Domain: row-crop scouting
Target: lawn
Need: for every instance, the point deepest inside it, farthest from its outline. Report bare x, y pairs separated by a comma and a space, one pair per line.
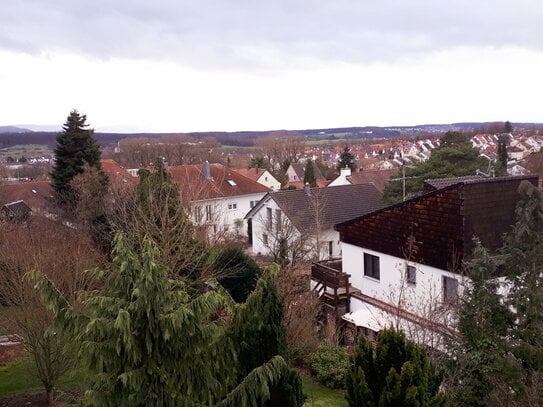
321, 396
20, 377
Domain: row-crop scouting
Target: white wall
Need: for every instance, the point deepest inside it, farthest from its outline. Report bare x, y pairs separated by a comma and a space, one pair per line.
225, 211
342, 178
269, 181
392, 286
260, 228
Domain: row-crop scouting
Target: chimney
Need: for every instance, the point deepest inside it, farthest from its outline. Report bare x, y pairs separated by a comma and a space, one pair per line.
206, 169
307, 189
345, 172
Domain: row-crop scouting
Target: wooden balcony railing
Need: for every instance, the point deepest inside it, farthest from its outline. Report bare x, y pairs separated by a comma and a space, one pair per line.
333, 285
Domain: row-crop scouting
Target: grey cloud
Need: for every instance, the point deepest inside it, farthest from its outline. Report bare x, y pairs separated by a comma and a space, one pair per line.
205, 33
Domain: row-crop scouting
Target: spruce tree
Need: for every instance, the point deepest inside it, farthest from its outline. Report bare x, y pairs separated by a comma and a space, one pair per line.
148, 342
481, 354
523, 250
261, 334
75, 148
346, 159
309, 174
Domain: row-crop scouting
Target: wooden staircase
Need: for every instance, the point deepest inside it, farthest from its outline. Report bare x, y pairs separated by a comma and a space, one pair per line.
333, 286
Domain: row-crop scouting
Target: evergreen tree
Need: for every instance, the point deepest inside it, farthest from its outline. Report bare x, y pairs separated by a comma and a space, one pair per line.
482, 357
508, 127
309, 174
159, 213
455, 157
260, 334
523, 250
346, 159
149, 343
502, 155
396, 373
75, 148
238, 273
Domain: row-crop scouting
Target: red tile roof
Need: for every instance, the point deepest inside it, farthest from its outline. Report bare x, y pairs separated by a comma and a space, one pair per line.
251, 173
36, 194
115, 171
222, 183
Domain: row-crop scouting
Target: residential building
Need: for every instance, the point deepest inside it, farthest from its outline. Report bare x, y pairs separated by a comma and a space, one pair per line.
219, 197
300, 222
295, 174
379, 178
402, 265
262, 176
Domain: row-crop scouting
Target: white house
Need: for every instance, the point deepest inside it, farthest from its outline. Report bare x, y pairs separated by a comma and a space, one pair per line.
299, 223
262, 176
402, 265
219, 197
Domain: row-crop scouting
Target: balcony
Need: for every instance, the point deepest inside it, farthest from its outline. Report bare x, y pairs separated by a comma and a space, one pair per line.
332, 286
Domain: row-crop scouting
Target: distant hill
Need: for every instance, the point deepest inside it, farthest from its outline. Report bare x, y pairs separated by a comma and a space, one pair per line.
14, 129
247, 138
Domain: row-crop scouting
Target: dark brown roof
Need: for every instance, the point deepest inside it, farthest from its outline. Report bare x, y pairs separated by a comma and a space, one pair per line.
223, 182
437, 183
378, 177
16, 210
442, 223
335, 205
299, 169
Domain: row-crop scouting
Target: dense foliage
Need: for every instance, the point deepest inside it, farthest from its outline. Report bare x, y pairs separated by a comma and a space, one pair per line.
237, 273
75, 148
499, 356
346, 159
148, 342
394, 373
453, 158
309, 174
329, 364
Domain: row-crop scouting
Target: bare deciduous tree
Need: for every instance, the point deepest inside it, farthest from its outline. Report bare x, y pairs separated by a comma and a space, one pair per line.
62, 254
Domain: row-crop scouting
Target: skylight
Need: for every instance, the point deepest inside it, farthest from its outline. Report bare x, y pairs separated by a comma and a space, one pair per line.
231, 182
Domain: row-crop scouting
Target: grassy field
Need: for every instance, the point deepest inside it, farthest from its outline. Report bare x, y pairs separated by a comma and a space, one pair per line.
320, 396
20, 377
27, 150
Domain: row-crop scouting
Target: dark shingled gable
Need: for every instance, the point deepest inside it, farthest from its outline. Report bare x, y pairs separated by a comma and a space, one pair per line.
443, 222
338, 204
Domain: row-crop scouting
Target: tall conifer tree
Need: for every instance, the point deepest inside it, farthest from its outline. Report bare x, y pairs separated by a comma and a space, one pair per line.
75, 148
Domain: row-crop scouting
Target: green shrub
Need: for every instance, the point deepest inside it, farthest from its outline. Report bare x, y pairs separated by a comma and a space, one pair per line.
329, 364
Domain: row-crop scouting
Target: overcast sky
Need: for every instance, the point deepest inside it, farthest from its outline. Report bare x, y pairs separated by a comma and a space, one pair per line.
199, 65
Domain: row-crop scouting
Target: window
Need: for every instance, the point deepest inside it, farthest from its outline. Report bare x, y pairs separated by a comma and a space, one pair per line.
265, 178
232, 206
231, 182
278, 219
197, 213
208, 212
265, 238
411, 274
450, 289
371, 266
269, 217
330, 248
252, 204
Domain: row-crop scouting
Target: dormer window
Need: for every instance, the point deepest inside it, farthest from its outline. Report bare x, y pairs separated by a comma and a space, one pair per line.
231, 182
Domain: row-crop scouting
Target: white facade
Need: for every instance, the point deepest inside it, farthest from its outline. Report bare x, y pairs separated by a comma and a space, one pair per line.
392, 286
264, 229
269, 181
342, 178
292, 176
225, 214
419, 292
